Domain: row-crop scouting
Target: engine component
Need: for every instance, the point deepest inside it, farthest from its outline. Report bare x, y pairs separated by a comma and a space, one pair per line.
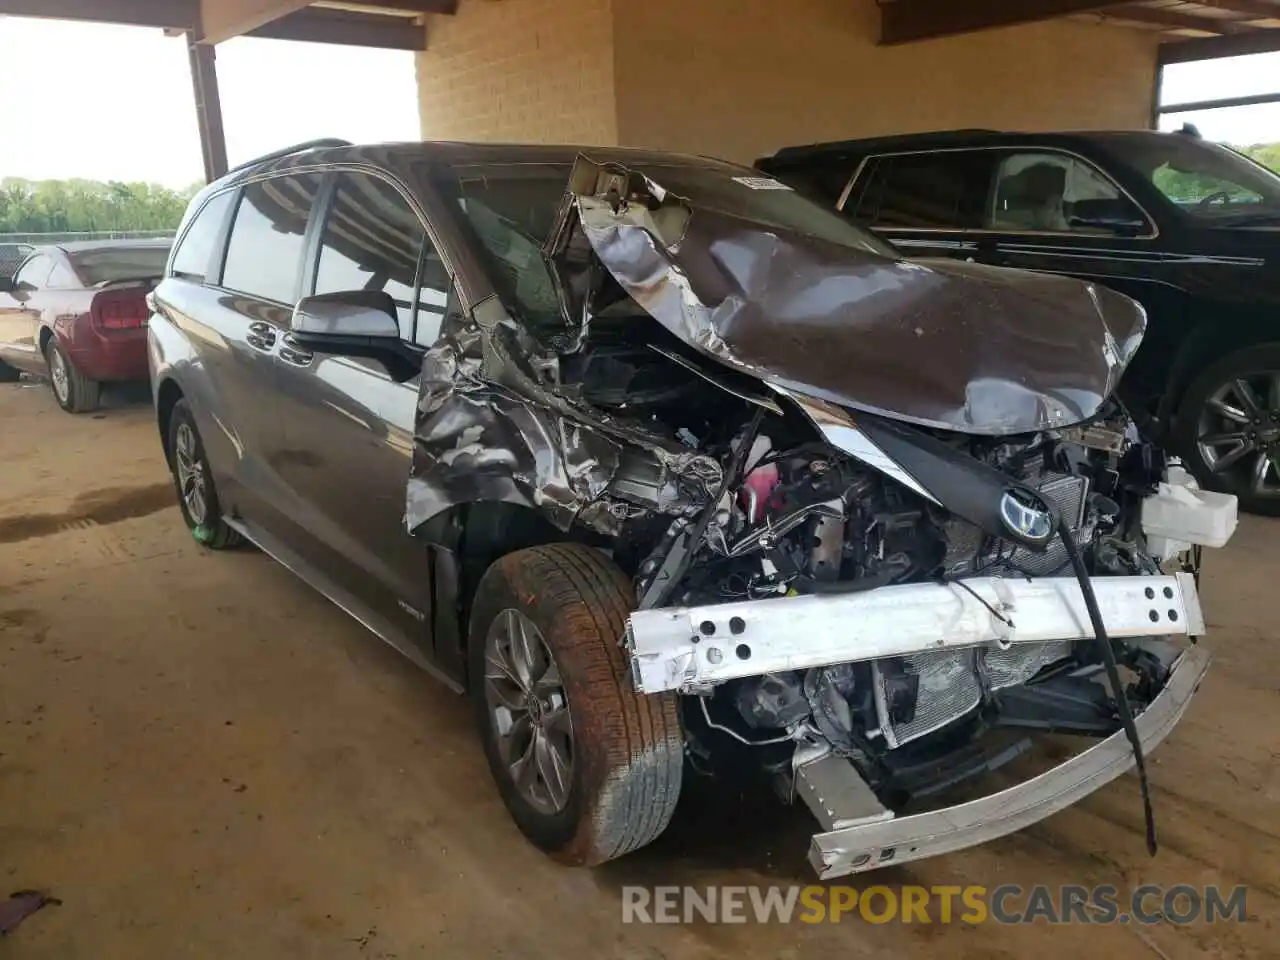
946, 687
773, 701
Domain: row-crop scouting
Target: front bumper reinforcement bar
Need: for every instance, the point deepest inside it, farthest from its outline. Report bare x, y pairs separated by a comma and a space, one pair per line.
877, 839
690, 649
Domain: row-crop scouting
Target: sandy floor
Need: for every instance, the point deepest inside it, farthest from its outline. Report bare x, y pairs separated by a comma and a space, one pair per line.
202, 758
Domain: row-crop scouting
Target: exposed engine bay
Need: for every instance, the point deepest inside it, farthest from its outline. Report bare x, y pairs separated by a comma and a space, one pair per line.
632, 419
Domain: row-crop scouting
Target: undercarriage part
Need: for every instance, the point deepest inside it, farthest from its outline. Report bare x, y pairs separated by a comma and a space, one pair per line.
772, 702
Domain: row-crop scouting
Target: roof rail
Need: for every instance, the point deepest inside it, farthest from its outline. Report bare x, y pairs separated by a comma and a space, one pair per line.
289, 151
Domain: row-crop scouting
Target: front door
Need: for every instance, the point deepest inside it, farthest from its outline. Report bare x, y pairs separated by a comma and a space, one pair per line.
248, 313
347, 426
1058, 213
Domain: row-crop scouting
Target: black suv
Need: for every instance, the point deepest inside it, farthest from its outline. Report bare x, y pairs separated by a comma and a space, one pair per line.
1188, 228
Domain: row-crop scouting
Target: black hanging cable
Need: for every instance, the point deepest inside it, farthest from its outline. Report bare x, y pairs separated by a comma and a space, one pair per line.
1113, 678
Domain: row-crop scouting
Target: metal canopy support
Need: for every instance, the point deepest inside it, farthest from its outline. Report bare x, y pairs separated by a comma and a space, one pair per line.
903, 21
204, 81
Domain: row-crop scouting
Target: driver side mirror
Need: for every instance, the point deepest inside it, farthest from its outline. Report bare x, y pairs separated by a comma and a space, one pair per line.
355, 323
1114, 216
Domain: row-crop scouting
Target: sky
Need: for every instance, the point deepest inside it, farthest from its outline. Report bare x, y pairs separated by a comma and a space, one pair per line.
115, 103
1214, 79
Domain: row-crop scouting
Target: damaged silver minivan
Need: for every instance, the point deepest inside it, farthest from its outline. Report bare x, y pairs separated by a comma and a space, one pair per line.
675, 471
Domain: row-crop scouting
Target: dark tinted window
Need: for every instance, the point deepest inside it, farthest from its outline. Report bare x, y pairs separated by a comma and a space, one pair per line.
822, 179
111, 265
195, 252
264, 253
947, 189
35, 271
373, 240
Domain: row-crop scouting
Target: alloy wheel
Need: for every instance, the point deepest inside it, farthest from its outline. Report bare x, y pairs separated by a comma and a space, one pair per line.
1238, 435
191, 478
529, 711
59, 376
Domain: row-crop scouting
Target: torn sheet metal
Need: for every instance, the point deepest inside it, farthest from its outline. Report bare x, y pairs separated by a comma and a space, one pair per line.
956, 346
490, 427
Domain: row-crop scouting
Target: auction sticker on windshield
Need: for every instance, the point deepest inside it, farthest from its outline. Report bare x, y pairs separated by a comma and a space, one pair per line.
761, 183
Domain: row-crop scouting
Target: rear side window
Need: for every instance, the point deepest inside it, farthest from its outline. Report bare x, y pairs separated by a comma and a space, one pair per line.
372, 240
946, 190
35, 272
264, 252
195, 252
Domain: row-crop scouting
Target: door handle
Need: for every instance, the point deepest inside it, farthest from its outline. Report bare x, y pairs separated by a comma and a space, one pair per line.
290, 352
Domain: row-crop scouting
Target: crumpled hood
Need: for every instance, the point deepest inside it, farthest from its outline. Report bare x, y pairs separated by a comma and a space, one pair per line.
938, 343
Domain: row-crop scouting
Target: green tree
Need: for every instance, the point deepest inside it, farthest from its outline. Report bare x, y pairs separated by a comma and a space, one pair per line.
49, 206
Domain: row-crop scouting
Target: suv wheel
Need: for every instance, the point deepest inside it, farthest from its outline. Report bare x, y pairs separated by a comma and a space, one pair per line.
194, 481
74, 392
1229, 427
588, 768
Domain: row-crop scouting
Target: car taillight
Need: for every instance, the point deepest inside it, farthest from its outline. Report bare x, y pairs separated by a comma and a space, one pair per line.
119, 310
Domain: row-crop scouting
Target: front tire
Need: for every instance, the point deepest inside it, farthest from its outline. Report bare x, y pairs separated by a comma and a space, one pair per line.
74, 392
1229, 427
588, 768
194, 482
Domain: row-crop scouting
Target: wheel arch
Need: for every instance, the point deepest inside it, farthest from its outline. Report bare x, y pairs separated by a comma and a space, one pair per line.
168, 393
1211, 339
471, 538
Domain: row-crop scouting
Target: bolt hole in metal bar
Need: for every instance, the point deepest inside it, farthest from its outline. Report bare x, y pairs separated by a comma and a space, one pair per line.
794, 633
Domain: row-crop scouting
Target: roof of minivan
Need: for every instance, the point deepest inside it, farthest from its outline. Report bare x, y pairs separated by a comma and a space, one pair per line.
452, 152
951, 139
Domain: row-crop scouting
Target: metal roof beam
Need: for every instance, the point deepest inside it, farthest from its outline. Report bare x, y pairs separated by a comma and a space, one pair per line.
903, 21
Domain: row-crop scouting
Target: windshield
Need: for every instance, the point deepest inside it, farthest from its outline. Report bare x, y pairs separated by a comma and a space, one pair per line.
511, 209
1205, 180
112, 264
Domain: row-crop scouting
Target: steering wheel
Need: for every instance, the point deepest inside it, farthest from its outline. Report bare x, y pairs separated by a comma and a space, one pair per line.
1222, 195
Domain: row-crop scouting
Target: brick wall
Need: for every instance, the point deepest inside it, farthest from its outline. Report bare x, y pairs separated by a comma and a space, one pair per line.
740, 78
520, 70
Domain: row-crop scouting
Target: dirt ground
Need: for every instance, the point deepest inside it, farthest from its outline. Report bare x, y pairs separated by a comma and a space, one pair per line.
203, 758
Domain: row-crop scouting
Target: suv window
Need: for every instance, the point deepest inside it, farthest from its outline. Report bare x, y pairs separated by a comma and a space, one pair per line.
195, 252
1042, 191
946, 190
264, 254
373, 240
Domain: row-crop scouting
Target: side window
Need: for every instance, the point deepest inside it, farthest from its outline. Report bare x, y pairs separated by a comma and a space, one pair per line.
372, 240
35, 272
264, 253
195, 252
62, 277
944, 190
822, 180
1057, 193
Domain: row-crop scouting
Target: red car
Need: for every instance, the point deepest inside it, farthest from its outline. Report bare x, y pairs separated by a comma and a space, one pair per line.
77, 313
